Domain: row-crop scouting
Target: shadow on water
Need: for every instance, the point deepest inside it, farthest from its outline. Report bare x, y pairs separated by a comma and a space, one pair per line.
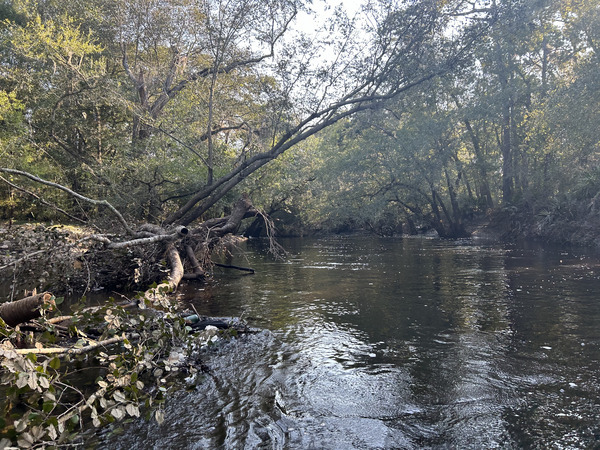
389, 343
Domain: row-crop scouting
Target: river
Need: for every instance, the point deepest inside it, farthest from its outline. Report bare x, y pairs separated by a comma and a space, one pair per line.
396, 343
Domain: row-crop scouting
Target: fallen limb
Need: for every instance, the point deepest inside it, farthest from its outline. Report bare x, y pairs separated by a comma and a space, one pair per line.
177, 234
28, 308
58, 319
176, 268
96, 237
191, 257
69, 351
229, 266
193, 276
160, 291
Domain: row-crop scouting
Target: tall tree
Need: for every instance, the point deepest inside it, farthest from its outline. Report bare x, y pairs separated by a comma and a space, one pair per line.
181, 60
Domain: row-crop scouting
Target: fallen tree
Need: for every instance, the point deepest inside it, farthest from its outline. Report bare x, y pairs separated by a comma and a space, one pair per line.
403, 47
179, 242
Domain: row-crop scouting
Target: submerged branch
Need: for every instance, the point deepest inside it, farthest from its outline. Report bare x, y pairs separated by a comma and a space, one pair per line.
229, 266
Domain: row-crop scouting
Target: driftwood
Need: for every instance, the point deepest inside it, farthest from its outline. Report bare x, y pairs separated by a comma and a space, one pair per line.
19, 311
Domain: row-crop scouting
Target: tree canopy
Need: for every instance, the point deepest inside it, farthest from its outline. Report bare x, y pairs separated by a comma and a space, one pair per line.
429, 112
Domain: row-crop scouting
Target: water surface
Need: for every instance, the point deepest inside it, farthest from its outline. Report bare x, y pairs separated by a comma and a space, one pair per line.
396, 343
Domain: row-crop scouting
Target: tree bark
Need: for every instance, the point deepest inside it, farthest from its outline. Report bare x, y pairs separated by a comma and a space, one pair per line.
176, 268
191, 257
19, 311
242, 206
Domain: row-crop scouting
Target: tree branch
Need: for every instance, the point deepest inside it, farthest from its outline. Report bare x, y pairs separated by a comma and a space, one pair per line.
69, 351
181, 232
73, 193
42, 201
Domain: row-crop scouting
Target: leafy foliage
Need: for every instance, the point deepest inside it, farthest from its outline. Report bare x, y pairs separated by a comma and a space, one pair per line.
51, 400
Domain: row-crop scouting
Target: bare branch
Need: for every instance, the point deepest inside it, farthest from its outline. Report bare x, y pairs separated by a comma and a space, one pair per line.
70, 351
148, 240
73, 193
42, 201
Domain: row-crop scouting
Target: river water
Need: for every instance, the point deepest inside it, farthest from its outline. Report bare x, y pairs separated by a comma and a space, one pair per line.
396, 343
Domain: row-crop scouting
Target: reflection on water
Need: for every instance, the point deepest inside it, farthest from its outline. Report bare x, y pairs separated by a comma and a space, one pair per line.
389, 343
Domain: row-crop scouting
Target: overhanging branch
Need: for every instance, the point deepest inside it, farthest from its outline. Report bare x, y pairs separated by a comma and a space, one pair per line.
104, 203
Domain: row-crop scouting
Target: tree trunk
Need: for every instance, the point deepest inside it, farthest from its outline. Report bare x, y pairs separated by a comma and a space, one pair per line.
241, 208
483, 183
456, 212
19, 311
176, 267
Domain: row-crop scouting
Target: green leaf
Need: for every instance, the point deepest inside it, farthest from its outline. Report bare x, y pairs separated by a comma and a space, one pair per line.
54, 363
48, 406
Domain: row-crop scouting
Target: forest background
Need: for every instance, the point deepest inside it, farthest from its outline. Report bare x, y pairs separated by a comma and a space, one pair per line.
402, 117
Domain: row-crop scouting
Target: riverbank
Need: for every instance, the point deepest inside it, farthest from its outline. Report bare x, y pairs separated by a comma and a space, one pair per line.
514, 225
58, 259
62, 259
